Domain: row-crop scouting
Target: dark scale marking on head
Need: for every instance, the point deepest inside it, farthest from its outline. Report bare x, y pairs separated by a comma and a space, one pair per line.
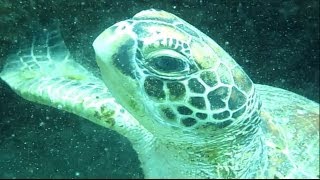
197, 102
169, 113
121, 59
185, 45
209, 78
168, 42
215, 97
184, 110
174, 42
154, 87
201, 115
161, 42
239, 112
176, 90
179, 48
188, 122
196, 86
187, 51
237, 99
222, 115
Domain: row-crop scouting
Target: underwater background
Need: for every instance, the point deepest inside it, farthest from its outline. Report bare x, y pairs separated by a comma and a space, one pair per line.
276, 42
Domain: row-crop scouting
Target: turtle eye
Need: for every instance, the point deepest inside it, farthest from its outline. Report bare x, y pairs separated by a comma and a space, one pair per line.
168, 63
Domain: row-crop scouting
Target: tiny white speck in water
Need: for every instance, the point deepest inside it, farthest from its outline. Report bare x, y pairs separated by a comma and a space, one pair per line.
77, 174
174, 7
226, 43
41, 124
47, 117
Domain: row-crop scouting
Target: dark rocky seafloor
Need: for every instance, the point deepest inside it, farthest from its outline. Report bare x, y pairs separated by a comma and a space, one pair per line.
276, 43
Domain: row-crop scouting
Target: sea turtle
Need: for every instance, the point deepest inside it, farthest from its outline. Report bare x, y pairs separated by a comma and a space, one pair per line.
188, 109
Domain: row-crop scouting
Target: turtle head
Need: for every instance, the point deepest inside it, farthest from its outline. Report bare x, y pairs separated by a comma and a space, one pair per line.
171, 76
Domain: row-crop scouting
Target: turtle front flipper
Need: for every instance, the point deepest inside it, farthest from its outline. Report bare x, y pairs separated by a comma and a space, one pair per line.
45, 73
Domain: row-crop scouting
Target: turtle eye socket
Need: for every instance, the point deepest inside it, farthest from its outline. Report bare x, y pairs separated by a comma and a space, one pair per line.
168, 63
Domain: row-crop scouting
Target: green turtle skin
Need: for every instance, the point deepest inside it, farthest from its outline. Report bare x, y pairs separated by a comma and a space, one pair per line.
188, 109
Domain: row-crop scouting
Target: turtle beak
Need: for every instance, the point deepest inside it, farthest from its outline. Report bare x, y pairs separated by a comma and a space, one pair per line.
117, 43
115, 50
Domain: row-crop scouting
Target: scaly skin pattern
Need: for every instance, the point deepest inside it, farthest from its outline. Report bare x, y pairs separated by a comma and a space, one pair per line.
194, 95
186, 106
291, 125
